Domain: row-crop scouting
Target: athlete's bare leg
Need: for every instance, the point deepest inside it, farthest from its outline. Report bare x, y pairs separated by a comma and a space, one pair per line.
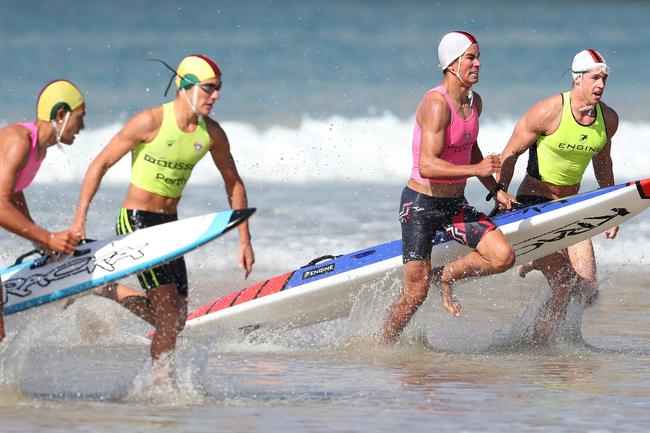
583, 261
133, 300
571, 271
169, 309
561, 278
417, 278
493, 255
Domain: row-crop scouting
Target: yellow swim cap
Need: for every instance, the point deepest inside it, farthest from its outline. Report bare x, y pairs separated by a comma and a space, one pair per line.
56, 95
196, 68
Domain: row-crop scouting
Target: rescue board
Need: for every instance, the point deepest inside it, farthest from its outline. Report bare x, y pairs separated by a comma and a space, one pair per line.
327, 289
41, 280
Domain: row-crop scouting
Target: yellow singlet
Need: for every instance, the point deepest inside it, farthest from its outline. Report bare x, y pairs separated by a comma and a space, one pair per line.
164, 165
562, 157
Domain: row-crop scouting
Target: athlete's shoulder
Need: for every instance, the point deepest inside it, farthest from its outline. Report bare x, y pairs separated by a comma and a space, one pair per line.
611, 119
545, 112
213, 126
608, 111
552, 104
15, 146
215, 131
147, 120
150, 118
433, 107
434, 97
144, 126
16, 135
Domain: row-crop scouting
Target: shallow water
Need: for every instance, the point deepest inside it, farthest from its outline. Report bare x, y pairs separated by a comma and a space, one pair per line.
320, 379
86, 369
318, 104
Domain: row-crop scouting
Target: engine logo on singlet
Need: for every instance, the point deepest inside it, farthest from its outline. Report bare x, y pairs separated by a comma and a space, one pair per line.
22, 287
318, 271
198, 146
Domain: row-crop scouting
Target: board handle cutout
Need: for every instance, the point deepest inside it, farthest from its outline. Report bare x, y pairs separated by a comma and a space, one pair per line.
320, 259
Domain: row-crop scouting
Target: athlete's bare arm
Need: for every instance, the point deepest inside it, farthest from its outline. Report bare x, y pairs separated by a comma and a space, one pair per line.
477, 156
541, 118
20, 202
235, 189
15, 147
143, 127
602, 161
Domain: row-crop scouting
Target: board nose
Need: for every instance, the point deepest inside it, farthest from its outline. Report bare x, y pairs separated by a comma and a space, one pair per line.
644, 188
241, 214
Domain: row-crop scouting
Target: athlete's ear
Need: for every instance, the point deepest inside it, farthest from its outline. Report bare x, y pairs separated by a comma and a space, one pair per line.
578, 80
60, 115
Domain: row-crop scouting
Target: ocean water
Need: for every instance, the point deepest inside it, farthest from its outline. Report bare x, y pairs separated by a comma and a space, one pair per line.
318, 104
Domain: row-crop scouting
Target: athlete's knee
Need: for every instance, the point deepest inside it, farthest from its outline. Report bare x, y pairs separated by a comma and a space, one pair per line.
501, 257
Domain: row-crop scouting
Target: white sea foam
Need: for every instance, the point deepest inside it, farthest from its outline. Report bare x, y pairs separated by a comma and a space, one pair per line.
337, 149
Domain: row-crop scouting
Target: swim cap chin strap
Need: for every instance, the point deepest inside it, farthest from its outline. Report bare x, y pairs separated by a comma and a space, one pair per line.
59, 132
195, 97
470, 93
586, 107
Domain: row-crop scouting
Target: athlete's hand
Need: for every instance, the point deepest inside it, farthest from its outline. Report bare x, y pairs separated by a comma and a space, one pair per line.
504, 200
78, 228
246, 258
63, 242
611, 233
489, 165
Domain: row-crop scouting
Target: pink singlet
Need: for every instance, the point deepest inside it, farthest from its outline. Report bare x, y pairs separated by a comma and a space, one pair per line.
460, 135
28, 172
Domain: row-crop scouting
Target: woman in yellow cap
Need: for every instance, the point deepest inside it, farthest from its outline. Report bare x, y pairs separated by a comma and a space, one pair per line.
166, 142
60, 110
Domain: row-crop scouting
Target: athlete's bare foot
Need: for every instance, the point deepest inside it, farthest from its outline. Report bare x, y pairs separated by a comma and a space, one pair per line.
449, 302
108, 291
162, 372
524, 269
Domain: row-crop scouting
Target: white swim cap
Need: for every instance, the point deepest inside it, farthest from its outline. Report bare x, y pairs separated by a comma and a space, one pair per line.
587, 61
452, 46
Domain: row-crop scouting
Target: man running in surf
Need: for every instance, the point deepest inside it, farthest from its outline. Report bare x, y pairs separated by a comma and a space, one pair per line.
60, 111
166, 142
445, 154
562, 134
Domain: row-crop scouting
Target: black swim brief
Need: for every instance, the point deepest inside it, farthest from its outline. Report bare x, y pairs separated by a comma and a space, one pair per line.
174, 272
422, 215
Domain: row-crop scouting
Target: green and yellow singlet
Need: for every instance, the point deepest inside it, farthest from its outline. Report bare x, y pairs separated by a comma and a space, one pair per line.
562, 157
164, 165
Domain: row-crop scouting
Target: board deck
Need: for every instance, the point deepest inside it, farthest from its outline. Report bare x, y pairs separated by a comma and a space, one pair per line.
327, 290
41, 280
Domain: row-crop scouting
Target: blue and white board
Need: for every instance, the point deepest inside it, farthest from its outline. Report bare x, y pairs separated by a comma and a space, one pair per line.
93, 264
327, 290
